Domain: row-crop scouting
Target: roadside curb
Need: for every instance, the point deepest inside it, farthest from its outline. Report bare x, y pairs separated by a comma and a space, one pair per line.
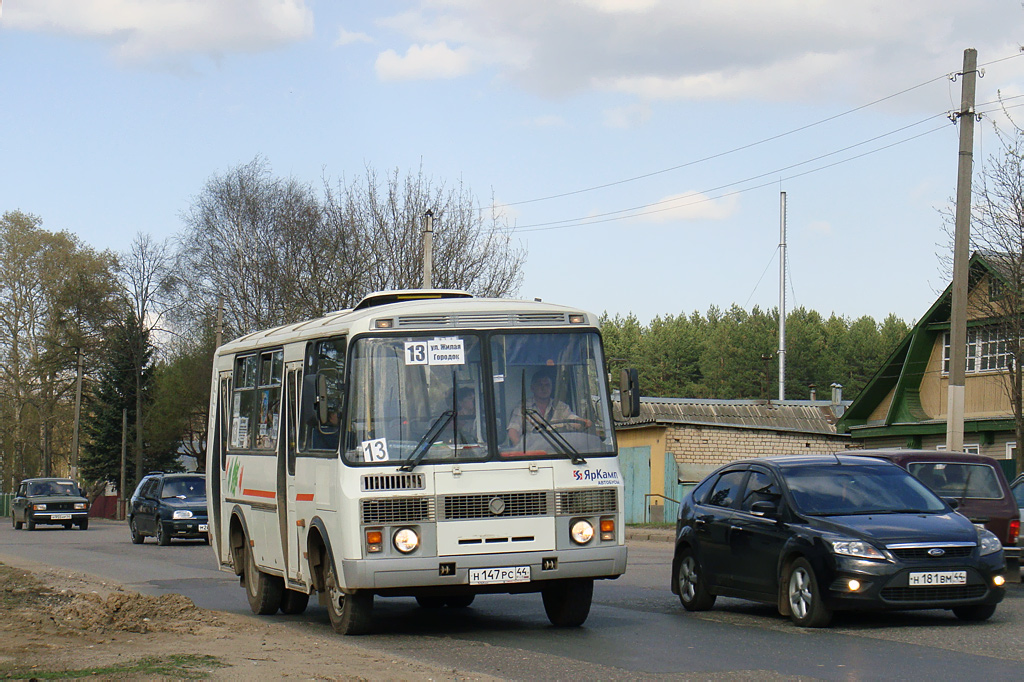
650, 534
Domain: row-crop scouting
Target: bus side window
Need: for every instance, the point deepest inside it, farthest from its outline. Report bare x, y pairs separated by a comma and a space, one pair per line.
322, 392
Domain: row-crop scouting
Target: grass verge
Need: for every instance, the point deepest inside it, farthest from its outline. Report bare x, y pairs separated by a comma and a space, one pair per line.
179, 667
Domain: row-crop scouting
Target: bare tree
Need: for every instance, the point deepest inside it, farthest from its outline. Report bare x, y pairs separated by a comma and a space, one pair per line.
997, 235
276, 252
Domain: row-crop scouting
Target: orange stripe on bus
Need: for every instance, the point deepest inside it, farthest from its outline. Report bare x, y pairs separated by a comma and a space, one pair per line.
259, 493
304, 497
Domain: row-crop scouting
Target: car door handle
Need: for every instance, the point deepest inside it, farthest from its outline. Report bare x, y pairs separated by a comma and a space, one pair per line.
736, 528
701, 520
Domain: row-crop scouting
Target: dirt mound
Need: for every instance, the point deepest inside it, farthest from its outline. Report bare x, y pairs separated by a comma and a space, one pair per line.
131, 612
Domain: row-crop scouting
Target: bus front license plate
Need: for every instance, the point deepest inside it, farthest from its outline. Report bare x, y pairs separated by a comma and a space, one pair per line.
497, 576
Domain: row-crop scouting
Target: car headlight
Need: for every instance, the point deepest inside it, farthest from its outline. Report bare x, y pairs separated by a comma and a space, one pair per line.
79, 505
181, 514
582, 532
406, 540
38, 507
988, 542
856, 548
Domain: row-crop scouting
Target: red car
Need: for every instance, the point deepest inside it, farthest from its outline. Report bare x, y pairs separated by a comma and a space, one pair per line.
977, 486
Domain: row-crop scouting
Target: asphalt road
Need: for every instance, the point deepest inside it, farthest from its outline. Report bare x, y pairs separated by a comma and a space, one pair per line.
636, 629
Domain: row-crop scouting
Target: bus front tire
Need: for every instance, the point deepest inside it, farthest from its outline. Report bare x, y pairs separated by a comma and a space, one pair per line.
567, 602
350, 613
263, 591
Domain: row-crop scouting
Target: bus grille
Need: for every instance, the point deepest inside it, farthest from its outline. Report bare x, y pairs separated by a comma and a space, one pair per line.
492, 505
393, 482
599, 501
398, 510
482, 320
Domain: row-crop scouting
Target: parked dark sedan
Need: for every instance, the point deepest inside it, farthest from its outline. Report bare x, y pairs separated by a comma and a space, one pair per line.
815, 534
167, 506
52, 501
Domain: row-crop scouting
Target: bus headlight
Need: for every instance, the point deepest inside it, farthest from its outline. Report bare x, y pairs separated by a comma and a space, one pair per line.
406, 540
582, 532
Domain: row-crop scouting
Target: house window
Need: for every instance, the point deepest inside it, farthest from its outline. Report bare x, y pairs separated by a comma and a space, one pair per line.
987, 350
996, 289
974, 449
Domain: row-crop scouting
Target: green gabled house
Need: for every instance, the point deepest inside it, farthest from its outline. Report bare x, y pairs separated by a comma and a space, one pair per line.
904, 405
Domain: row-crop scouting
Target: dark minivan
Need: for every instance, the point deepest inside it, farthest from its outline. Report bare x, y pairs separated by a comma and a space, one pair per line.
976, 483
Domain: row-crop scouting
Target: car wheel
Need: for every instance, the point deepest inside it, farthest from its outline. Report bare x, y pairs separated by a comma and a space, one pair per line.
693, 591
163, 536
137, 537
806, 606
293, 603
17, 524
264, 591
459, 601
975, 613
430, 601
350, 613
567, 602
83, 524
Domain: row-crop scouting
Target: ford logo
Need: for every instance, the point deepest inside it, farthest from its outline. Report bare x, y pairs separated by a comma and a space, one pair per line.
936, 551
496, 505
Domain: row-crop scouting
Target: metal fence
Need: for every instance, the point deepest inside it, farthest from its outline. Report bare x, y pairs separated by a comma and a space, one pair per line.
5, 504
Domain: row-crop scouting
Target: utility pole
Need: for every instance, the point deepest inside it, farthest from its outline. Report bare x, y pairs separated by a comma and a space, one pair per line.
78, 418
782, 297
961, 257
124, 462
428, 250
220, 319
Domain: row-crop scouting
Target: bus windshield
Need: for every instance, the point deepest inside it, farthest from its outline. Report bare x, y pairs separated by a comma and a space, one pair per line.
429, 398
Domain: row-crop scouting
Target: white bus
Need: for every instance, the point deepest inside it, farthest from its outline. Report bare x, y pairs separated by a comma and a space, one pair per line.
385, 451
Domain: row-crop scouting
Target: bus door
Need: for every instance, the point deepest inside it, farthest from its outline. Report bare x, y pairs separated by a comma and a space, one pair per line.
289, 517
218, 467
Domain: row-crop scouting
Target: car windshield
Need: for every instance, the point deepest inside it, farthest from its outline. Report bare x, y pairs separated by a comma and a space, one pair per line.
842, 489
959, 479
184, 488
57, 488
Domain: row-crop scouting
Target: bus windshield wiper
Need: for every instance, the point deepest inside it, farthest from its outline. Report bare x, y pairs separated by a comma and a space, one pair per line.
423, 447
547, 430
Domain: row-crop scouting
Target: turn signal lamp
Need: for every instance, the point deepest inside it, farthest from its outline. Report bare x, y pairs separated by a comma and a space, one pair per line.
607, 529
577, 319
374, 541
384, 324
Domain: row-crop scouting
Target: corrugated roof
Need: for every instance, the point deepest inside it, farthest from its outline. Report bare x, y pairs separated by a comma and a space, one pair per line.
794, 416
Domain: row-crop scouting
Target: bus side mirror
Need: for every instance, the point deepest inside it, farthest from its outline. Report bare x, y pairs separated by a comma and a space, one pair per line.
629, 393
321, 398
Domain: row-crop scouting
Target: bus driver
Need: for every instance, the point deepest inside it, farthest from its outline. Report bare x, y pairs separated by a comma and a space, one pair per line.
553, 411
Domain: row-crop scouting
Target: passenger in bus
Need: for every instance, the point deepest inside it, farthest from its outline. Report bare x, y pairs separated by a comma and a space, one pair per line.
554, 411
465, 417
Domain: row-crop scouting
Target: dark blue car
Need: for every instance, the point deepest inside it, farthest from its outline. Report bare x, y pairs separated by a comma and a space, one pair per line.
816, 534
168, 506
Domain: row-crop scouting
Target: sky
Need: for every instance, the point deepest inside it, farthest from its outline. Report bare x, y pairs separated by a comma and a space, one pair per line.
639, 148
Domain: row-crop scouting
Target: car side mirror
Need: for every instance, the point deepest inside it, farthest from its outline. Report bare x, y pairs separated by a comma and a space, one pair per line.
765, 508
952, 502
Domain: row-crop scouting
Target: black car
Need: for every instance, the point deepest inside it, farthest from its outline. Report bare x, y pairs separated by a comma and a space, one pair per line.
167, 506
814, 534
49, 501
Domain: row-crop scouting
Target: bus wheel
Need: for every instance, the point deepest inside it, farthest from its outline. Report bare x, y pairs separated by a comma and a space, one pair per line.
350, 613
460, 601
567, 602
263, 591
293, 602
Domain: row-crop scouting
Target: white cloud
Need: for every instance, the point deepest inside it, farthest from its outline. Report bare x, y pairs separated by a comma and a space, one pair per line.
627, 117
820, 227
147, 29
348, 37
689, 206
424, 63
792, 50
